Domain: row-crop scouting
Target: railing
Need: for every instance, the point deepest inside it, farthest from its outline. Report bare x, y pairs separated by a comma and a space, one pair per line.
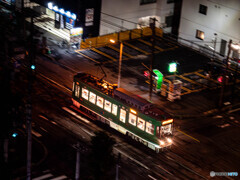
120, 36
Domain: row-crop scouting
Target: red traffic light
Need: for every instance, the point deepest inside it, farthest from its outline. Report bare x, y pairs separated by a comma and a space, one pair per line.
220, 79
147, 74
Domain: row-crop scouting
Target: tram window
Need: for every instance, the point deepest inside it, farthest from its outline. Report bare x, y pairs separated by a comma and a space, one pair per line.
73, 88
141, 124
107, 106
114, 109
100, 101
132, 119
77, 91
92, 97
122, 115
85, 93
149, 128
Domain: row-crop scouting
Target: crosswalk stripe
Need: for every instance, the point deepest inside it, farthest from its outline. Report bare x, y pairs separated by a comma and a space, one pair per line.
43, 177
59, 177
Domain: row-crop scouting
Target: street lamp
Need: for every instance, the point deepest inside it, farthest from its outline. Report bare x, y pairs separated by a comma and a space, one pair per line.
120, 60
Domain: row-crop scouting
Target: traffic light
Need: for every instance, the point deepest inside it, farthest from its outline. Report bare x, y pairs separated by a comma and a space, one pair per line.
14, 134
33, 67
147, 74
172, 67
220, 79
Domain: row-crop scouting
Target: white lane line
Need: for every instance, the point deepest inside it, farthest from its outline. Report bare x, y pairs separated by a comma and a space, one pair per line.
152, 177
234, 110
53, 122
36, 133
141, 164
43, 176
54, 82
89, 133
43, 129
164, 169
59, 177
75, 114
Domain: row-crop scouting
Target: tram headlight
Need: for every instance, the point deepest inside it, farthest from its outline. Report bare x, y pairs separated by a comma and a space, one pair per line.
169, 140
162, 143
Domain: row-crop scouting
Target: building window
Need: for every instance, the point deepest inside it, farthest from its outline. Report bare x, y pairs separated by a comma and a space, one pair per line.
203, 9
132, 119
122, 115
107, 106
168, 21
149, 128
199, 34
92, 98
147, 1
77, 90
85, 93
100, 101
141, 124
114, 109
170, 1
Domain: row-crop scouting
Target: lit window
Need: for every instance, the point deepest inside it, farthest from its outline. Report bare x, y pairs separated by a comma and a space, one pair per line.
141, 124
122, 115
200, 34
85, 93
114, 109
203, 9
100, 101
149, 128
132, 119
107, 106
92, 98
77, 91
167, 129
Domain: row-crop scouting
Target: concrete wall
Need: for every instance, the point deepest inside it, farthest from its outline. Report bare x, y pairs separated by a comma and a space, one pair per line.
131, 10
223, 18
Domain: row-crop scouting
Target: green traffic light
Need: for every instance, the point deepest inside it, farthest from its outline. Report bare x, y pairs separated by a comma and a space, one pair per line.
172, 67
32, 67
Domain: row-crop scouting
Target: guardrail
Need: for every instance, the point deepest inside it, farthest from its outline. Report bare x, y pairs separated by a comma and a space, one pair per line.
120, 36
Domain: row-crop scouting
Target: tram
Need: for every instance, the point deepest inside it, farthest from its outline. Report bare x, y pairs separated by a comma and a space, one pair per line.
122, 110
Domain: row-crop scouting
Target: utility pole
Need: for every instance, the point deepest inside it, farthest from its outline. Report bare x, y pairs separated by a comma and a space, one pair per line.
225, 74
117, 165
29, 103
77, 172
152, 26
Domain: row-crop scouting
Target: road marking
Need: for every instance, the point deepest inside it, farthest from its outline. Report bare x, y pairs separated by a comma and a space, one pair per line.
36, 133
188, 135
86, 56
54, 82
75, 114
152, 177
234, 110
53, 122
60, 177
43, 176
164, 169
141, 164
43, 129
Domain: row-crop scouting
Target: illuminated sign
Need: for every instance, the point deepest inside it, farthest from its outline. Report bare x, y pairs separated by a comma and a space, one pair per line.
167, 122
133, 111
76, 31
55, 8
89, 17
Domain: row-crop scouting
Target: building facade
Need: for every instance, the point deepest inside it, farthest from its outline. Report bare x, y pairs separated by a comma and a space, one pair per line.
130, 14
211, 24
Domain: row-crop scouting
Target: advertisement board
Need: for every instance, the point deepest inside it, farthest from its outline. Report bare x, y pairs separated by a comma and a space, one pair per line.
89, 17
69, 23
